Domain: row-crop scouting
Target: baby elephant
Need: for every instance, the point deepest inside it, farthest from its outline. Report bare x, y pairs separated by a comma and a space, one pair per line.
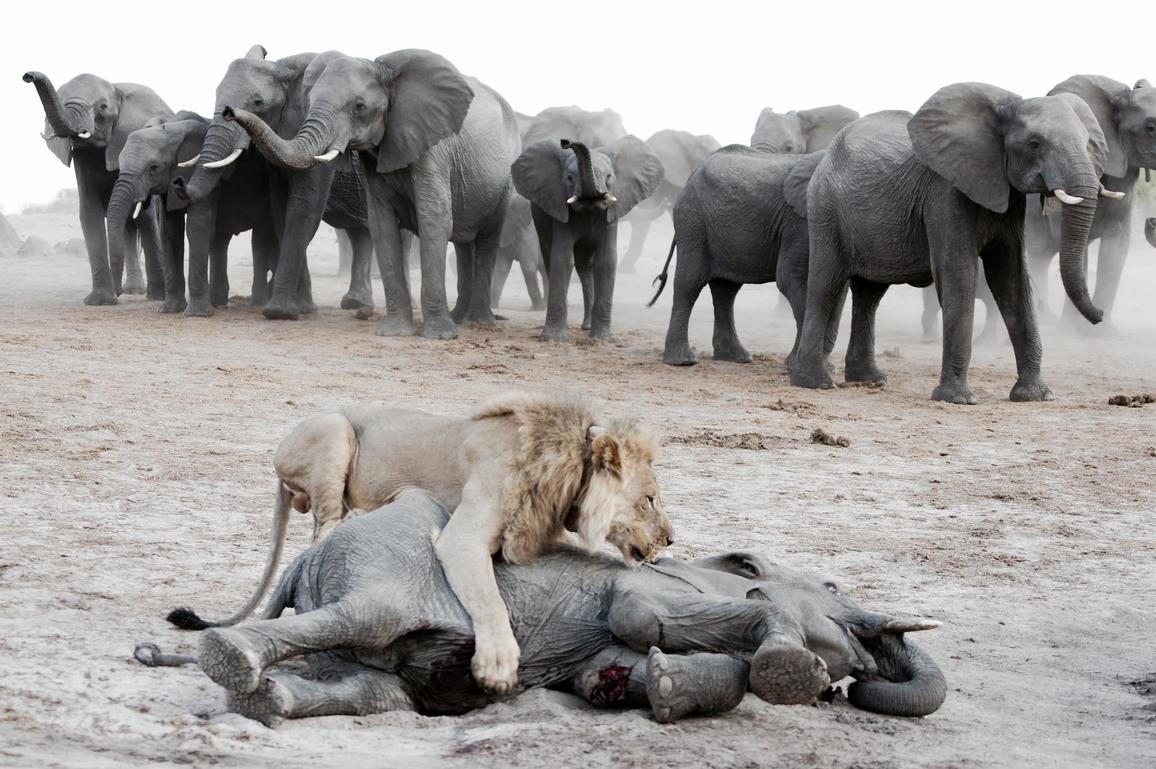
383, 631
577, 196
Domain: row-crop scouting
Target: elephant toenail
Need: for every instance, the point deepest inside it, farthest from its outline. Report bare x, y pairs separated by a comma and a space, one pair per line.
665, 686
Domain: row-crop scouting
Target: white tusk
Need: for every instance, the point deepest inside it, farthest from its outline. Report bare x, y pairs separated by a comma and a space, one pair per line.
136, 211
84, 135
909, 625
225, 161
328, 155
190, 162
609, 198
1109, 194
1065, 198
571, 200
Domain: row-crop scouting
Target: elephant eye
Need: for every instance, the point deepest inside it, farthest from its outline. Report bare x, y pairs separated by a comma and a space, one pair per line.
154, 168
1034, 145
359, 107
258, 101
1151, 129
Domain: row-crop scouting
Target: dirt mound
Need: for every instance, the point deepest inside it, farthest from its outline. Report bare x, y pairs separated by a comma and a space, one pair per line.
71, 247
749, 441
9, 238
35, 247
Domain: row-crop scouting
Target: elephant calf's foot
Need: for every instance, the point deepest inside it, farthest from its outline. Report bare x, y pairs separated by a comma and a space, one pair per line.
954, 392
199, 307
1031, 390
101, 297
281, 309
229, 660
393, 325
788, 675
172, 305
355, 300
271, 703
698, 684
439, 327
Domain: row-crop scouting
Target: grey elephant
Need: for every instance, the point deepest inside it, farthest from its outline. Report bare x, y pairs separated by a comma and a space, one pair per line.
439, 146
87, 122
992, 321
799, 131
519, 243
299, 200
578, 195
381, 630
681, 152
895, 201
1127, 116
742, 218
155, 157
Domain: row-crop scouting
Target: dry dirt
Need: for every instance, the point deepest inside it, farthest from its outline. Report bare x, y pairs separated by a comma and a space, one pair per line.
135, 473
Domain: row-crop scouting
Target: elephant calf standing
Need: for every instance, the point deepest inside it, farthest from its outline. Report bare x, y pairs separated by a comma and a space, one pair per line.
740, 219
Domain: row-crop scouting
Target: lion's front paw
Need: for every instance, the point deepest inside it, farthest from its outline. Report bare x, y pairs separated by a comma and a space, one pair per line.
495, 663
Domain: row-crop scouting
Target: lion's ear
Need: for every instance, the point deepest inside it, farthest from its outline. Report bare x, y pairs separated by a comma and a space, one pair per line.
607, 455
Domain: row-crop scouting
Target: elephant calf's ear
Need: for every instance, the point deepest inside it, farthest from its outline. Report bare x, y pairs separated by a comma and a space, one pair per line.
740, 564
537, 175
637, 174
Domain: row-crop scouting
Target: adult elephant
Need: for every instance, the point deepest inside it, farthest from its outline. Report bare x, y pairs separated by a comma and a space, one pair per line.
893, 202
87, 121
742, 218
799, 131
1127, 116
440, 144
383, 631
594, 128
300, 199
681, 153
930, 317
153, 158
577, 197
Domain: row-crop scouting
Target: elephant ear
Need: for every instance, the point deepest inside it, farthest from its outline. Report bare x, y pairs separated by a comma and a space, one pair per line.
822, 123
137, 105
637, 174
59, 146
958, 134
797, 179
538, 177
707, 145
678, 152
1097, 141
428, 101
1103, 96
740, 564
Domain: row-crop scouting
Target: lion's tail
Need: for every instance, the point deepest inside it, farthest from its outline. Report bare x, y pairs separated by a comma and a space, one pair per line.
187, 619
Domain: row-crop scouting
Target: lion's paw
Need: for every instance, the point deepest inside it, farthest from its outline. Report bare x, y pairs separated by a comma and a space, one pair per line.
495, 662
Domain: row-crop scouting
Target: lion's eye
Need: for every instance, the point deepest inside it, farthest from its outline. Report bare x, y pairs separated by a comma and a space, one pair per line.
650, 502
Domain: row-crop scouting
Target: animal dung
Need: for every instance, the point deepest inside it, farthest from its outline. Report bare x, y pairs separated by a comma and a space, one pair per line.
819, 435
1132, 401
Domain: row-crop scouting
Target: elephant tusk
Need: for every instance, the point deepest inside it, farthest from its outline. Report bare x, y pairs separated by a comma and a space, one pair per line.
136, 211
1065, 198
909, 625
571, 200
1109, 194
327, 156
84, 135
225, 161
609, 198
190, 162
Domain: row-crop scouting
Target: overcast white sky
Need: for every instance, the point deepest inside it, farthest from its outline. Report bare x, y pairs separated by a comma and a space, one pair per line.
706, 67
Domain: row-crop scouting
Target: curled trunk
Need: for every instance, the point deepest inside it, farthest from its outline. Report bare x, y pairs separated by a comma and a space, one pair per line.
912, 685
314, 138
1074, 229
585, 169
220, 141
66, 122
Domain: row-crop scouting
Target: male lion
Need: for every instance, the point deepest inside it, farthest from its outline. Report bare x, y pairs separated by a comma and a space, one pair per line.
521, 474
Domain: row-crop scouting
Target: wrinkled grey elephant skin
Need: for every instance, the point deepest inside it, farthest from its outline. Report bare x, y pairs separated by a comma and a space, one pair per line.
383, 631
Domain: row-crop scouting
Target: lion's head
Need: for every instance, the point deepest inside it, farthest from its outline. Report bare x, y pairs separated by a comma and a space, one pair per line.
621, 503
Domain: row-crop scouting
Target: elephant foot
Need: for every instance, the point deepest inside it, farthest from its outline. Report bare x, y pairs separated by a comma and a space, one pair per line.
537, 306
601, 334
172, 305
355, 300
1031, 390
306, 306
815, 377
259, 298
226, 658
155, 292
101, 297
585, 324
552, 334
954, 392
458, 313
280, 309
864, 372
699, 684
439, 327
134, 285
392, 325
199, 307
788, 675
731, 351
270, 704
219, 295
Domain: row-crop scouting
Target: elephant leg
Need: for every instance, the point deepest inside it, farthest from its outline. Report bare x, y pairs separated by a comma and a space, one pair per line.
690, 277
360, 293
955, 283
782, 669
559, 267
484, 254
464, 261
348, 689
639, 229
1007, 276
726, 338
827, 277
604, 267
265, 247
151, 245
391, 261
434, 226
304, 207
126, 268
88, 185
531, 263
502, 264
930, 317
860, 362
990, 333
174, 250
584, 267
344, 253
791, 279
200, 223
219, 269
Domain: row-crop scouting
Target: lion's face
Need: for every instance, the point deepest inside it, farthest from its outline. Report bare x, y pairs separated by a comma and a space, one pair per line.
640, 528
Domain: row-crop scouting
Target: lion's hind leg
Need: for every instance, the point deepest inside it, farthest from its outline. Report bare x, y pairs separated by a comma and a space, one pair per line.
314, 462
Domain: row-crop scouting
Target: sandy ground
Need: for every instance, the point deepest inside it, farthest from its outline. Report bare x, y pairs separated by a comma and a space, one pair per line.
135, 473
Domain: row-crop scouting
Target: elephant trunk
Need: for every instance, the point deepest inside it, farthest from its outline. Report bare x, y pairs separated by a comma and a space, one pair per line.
585, 169
222, 139
1074, 229
913, 684
1150, 231
67, 122
299, 153
126, 193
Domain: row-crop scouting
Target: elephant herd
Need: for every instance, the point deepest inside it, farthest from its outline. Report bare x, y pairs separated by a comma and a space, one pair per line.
820, 202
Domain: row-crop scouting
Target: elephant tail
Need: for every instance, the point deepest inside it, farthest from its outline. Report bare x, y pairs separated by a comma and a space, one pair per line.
661, 279
187, 619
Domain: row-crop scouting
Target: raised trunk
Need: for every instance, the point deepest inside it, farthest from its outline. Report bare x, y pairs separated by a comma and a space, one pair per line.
121, 203
585, 170
220, 141
913, 685
1074, 229
66, 123
299, 153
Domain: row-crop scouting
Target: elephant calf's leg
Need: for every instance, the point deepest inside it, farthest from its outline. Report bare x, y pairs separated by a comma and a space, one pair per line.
726, 338
360, 293
615, 677
865, 298
678, 686
314, 461
359, 692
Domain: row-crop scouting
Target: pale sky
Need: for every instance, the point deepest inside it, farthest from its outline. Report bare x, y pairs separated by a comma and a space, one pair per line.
706, 67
